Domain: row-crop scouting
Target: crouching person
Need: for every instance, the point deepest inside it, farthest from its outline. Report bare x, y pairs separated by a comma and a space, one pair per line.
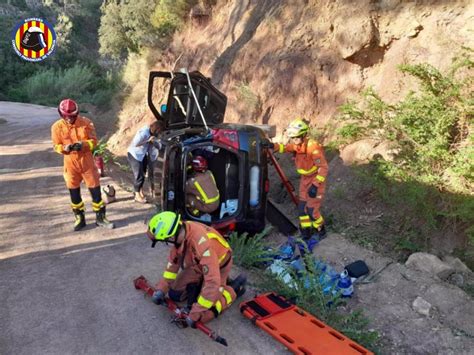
199, 263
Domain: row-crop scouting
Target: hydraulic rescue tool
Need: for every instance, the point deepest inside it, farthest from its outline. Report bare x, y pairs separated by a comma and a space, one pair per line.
290, 188
141, 283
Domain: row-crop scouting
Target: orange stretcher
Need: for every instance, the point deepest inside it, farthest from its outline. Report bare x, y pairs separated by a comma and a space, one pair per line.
295, 328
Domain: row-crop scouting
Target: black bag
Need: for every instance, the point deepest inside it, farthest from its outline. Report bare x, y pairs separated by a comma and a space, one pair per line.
357, 269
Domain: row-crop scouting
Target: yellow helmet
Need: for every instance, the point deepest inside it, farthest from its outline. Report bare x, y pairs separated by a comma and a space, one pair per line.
297, 128
163, 226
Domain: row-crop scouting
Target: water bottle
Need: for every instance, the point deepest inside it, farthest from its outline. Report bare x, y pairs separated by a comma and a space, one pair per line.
345, 284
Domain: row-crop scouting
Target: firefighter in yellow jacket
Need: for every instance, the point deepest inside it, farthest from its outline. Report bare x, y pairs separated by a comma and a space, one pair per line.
312, 166
74, 137
198, 267
202, 195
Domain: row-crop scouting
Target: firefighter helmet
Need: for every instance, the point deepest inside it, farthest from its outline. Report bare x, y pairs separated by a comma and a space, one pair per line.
297, 128
163, 226
68, 108
33, 39
199, 163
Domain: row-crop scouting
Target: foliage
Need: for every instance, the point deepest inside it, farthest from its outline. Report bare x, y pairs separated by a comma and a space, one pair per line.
79, 82
432, 128
431, 178
169, 15
248, 251
100, 148
76, 23
307, 292
130, 26
246, 95
125, 27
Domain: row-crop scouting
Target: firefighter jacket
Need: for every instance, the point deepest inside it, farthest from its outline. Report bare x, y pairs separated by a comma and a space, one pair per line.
202, 193
207, 252
309, 158
78, 165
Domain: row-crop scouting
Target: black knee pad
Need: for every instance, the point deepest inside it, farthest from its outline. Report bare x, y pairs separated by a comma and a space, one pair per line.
175, 295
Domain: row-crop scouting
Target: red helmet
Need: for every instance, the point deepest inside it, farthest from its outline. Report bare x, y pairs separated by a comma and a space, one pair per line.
199, 163
68, 108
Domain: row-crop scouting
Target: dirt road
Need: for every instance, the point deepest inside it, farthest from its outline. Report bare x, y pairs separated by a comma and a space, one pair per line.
65, 292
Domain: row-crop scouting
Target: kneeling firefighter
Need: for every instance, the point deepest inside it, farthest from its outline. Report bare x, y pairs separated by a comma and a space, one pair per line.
74, 137
198, 266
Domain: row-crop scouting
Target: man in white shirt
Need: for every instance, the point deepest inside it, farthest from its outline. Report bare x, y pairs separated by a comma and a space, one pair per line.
142, 152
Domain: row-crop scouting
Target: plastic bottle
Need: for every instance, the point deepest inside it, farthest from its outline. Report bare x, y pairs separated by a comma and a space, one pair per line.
254, 179
345, 285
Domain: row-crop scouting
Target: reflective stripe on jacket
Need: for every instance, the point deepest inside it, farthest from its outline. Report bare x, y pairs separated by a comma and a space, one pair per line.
203, 249
309, 158
203, 186
63, 133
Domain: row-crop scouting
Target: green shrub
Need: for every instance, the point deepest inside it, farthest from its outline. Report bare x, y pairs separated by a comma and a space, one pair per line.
249, 251
246, 95
169, 15
79, 82
431, 177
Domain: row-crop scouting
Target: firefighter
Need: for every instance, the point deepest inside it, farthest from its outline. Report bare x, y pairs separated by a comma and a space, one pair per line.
74, 137
313, 169
205, 260
202, 195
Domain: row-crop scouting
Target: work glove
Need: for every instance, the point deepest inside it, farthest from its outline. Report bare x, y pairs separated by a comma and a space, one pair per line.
266, 143
158, 297
190, 322
313, 191
76, 146
184, 322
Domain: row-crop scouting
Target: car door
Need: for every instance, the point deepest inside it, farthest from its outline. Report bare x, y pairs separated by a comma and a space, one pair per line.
197, 105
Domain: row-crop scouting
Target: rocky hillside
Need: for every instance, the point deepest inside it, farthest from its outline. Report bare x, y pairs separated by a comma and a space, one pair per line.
277, 60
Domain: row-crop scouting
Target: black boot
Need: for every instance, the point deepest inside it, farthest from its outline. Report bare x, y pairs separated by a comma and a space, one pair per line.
238, 284
321, 232
101, 220
80, 220
305, 233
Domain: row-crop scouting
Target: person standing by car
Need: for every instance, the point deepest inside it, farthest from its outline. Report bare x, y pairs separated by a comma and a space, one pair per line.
199, 263
142, 152
74, 137
312, 166
202, 195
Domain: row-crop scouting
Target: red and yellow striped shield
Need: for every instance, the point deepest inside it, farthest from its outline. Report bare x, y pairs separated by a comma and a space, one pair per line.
34, 39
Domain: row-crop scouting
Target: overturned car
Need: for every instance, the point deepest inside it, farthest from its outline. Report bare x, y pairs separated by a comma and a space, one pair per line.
236, 153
